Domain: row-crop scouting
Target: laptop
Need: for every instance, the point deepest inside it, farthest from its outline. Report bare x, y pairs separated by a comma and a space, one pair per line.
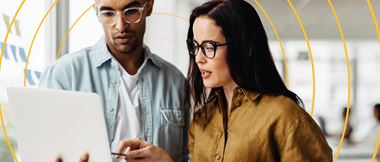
50, 123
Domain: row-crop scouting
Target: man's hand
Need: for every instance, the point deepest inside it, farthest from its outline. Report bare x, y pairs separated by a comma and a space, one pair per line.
143, 151
84, 158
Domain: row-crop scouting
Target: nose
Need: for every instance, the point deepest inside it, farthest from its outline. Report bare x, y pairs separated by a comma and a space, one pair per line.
200, 57
121, 25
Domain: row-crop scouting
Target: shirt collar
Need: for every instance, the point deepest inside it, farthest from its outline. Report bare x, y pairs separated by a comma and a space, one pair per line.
102, 54
217, 93
252, 96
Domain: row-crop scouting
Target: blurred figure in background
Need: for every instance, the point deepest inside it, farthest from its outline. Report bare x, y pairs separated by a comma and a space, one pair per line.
371, 139
321, 121
376, 112
349, 129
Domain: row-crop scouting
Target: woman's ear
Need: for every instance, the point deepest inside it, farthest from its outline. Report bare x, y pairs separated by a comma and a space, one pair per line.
149, 7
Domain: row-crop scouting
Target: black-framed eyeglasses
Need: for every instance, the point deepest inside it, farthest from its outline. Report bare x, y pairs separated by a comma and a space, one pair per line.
208, 47
130, 15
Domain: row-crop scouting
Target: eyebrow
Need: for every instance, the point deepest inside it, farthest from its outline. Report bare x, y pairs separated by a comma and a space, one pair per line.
105, 8
207, 40
132, 4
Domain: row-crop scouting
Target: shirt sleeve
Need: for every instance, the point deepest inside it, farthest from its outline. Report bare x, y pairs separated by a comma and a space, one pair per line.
305, 142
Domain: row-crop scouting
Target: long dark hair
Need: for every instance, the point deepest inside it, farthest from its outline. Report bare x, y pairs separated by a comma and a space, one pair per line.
249, 58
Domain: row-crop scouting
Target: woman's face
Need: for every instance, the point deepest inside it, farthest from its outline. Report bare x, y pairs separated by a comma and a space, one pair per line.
214, 71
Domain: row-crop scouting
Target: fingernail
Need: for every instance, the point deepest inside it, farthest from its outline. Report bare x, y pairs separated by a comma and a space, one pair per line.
127, 150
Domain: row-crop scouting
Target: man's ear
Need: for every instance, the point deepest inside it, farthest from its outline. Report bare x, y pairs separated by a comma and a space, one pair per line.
149, 7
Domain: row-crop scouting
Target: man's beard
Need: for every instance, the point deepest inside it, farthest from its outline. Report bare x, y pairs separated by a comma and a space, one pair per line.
127, 49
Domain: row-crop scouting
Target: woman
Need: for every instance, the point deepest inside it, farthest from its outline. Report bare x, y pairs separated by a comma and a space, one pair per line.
249, 114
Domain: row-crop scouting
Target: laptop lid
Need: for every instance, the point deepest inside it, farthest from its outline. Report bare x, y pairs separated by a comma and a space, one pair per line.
49, 123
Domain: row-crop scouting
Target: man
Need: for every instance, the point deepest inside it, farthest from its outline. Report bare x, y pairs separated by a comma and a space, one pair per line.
143, 95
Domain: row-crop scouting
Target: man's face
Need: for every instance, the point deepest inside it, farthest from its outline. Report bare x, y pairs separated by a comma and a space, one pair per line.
122, 37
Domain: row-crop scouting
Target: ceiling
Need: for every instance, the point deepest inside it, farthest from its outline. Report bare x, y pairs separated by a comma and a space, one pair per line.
318, 19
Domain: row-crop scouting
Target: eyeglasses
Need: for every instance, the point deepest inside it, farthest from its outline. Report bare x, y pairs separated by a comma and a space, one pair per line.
208, 47
130, 15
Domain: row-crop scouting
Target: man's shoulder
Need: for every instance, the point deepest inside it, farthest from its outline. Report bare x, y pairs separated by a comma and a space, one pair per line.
81, 55
73, 59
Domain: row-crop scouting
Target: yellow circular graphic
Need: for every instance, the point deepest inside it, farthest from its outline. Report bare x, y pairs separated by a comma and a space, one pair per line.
374, 19
348, 80
1, 58
34, 37
310, 53
62, 43
278, 39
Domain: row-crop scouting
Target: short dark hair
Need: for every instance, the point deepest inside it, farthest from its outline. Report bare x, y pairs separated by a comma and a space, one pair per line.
249, 58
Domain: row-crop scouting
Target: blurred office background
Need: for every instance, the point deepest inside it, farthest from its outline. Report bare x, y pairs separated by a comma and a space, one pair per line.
166, 35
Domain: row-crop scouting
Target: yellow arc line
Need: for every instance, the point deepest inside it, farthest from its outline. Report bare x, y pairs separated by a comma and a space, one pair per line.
1, 58
310, 53
6, 135
278, 39
378, 38
9, 30
34, 37
349, 78
170, 14
376, 147
63, 41
374, 19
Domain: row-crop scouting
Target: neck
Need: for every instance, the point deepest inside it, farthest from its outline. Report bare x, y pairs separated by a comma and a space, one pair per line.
229, 92
131, 61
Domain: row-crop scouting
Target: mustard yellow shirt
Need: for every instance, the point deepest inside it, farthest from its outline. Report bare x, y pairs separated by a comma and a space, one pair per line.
259, 128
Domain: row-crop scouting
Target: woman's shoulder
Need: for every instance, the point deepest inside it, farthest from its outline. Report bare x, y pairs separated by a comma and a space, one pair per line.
280, 103
282, 107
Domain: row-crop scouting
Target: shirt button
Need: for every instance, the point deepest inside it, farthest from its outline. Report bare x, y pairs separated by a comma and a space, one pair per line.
218, 157
237, 103
114, 64
240, 90
114, 82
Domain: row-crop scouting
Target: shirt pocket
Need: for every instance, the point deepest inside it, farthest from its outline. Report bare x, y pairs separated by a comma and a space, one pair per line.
173, 117
171, 131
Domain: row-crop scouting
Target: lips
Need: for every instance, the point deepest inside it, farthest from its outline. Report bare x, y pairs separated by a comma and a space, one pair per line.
123, 38
205, 73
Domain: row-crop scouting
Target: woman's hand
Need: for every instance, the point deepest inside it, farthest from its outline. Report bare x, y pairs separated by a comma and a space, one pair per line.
142, 151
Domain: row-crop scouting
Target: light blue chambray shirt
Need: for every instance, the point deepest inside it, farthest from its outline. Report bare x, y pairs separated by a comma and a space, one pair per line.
163, 100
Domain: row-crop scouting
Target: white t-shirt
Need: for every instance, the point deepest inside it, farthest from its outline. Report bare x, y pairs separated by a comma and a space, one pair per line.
127, 124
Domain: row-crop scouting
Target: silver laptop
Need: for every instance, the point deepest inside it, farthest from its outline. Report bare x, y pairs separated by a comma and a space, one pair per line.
49, 123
